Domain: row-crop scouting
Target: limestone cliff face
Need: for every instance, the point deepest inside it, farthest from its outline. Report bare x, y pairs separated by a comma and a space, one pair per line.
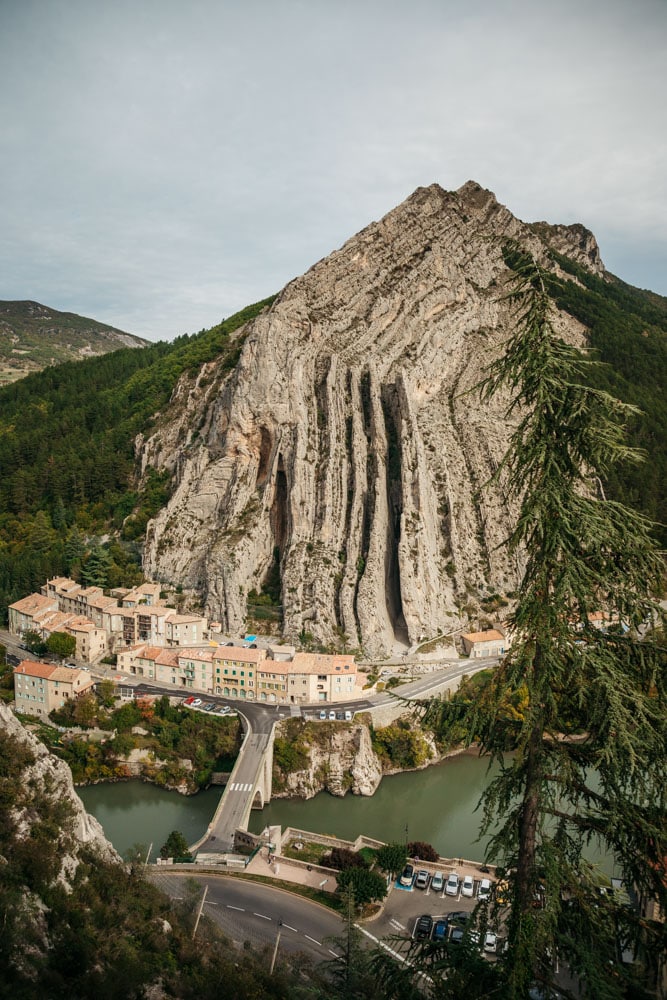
48, 779
348, 436
343, 760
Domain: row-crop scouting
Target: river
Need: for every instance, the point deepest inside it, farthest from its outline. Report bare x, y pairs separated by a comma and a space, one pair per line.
437, 805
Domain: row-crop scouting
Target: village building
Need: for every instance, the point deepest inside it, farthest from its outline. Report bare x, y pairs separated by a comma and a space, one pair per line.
39, 688
184, 630
22, 613
491, 642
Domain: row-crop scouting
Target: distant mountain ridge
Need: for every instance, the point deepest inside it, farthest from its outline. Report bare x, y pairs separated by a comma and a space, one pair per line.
34, 336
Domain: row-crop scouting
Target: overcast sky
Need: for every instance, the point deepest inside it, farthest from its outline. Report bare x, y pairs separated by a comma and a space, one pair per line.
166, 162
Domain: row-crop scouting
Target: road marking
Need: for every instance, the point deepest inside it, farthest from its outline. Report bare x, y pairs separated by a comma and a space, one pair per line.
318, 943
261, 915
334, 953
386, 947
395, 923
239, 908
291, 928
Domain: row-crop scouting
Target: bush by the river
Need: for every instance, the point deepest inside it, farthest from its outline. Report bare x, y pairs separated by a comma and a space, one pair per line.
171, 734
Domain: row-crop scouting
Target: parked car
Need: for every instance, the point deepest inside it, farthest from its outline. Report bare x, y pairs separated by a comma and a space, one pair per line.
348, 716
195, 703
452, 884
340, 716
332, 715
440, 929
421, 881
188, 701
484, 891
468, 886
407, 875
437, 882
490, 942
224, 709
459, 917
210, 707
423, 927
456, 935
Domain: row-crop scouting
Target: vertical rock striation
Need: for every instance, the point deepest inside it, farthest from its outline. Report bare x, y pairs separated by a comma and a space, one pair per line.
349, 437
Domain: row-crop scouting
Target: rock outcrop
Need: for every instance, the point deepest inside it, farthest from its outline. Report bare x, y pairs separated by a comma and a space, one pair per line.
342, 761
46, 779
350, 439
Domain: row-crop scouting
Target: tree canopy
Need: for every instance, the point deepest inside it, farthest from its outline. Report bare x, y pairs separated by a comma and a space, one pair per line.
588, 759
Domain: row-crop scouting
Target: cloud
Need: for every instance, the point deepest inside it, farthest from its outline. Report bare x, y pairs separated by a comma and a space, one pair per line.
162, 165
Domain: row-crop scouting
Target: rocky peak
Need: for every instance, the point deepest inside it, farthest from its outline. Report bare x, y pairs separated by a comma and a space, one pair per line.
575, 242
350, 439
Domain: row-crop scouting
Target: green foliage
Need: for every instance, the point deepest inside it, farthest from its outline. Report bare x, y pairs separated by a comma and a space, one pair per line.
34, 643
289, 757
61, 644
628, 330
175, 846
111, 934
366, 886
400, 745
582, 554
174, 734
391, 858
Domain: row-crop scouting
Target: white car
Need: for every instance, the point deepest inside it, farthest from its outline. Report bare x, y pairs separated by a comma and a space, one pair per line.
490, 942
468, 886
438, 882
484, 891
196, 703
452, 885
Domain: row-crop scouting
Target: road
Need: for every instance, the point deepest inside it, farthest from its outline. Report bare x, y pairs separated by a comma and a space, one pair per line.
248, 911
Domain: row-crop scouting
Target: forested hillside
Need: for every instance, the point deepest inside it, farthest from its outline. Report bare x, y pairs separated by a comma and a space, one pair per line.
33, 336
67, 459
628, 330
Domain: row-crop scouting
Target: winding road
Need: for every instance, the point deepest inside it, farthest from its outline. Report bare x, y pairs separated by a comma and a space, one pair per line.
248, 911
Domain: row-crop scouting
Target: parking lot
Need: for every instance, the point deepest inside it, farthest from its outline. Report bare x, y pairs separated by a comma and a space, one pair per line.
448, 913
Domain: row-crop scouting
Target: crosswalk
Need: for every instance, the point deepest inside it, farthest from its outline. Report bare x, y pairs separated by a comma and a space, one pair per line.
238, 786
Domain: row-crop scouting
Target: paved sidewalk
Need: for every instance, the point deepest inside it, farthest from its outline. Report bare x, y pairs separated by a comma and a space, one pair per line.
286, 872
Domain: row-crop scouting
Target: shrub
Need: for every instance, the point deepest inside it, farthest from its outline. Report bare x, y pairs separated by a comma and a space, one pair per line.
423, 851
343, 860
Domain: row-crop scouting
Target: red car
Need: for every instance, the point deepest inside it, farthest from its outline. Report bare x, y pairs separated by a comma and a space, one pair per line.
188, 701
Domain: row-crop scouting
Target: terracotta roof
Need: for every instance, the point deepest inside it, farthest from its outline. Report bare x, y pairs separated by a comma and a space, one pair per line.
102, 602
33, 603
69, 675
239, 654
491, 635
184, 619
322, 663
203, 653
148, 652
268, 667
168, 657
34, 669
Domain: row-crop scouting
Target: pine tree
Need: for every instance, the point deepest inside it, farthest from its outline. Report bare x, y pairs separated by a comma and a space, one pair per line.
589, 759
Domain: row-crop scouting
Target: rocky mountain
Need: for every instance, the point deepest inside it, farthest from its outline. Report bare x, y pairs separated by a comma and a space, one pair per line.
348, 447
33, 336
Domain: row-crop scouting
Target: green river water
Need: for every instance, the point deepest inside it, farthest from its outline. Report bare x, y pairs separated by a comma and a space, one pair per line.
437, 805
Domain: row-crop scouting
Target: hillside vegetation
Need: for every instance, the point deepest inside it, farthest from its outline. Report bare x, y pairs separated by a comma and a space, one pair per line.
67, 456
33, 336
